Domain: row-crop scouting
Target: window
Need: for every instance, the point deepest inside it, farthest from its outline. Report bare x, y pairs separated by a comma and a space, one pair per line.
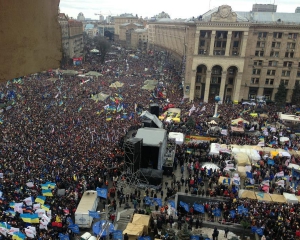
258, 63
289, 54
291, 45
256, 71
230, 80
254, 80
277, 35
287, 64
276, 44
285, 73
271, 72
203, 34
273, 63
298, 74
285, 81
299, 65
274, 54
235, 53
219, 52
262, 34
292, 35
220, 44
259, 53
198, 79
236, 44
260, 44
198, 88
236, 34
202, 43
202, 52
215, 80
269, 81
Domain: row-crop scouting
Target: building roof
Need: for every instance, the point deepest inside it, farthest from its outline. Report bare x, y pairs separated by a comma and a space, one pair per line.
126, 15
151, 136
207, 16
89, 26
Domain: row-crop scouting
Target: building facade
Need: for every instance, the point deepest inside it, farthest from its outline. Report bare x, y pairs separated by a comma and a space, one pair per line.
139, 39
64, 24
234, 55
123, 18
75, 39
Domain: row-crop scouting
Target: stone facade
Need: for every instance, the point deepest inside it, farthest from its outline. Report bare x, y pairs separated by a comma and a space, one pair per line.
139, 39
230, 55
75, 39
126, 29
124, 18
64, 24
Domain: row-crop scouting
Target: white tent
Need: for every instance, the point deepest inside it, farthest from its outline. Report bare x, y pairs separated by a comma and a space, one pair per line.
209, 165
179, 137
295, 166
94, 50
290, 198
214, 149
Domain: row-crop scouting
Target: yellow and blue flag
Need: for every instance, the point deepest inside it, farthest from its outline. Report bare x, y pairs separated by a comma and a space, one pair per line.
108, 118
79, 109
1, 121
45, 207
40, 199
18, 236
47, 192
12, 204
30, 218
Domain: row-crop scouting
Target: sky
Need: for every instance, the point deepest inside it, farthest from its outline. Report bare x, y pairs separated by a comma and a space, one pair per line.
175, 8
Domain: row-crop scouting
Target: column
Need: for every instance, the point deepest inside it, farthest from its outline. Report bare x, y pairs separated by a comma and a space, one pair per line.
228, 43
212, 43
244, 44
260, 91
222, 87
237, 89
197, 36
207, 85
192, 85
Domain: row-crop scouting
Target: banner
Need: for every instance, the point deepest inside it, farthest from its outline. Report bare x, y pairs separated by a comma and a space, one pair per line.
270, 162
102, 192
144, 238
185, 206
172, 203
158, 201
63, 237
249, 175
199, 208
194, 237
217, 212
260, 231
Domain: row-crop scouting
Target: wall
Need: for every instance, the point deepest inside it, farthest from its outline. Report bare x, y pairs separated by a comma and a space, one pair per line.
30, 37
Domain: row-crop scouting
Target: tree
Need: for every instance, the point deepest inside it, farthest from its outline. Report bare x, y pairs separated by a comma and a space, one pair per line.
103, 46
280, 96
296, 94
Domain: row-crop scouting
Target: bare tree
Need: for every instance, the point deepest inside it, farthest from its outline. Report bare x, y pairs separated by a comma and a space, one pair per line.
103, 46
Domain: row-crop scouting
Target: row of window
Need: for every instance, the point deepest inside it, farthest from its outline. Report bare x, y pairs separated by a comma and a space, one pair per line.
271, 72
269, 81
277, 35
289, 45
274, 63
274, 54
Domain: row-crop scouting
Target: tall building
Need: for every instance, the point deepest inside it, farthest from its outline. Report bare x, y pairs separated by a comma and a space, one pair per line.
297, 10
64, 24
80, 17
75, 39
124, 18
234, 55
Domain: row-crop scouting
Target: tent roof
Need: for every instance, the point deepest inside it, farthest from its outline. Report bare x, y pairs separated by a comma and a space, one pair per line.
134, 229
93, 73
278, 198
247, 194
236, 121
148, 87
141, 219
152, 136
100, 97
266, 197
290, 198
152, 117
151, 82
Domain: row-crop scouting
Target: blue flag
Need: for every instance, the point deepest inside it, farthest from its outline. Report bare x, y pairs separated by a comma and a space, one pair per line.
172, 203
240, 209
253, 229
69, 220
148, 201
260, 231
184, 205
232, 214
118, 235
217, 212
94, 214
144, 238
158, 201
249, 175
199, 208
194, 237
271, 162
102, 192
74, 228
63, 237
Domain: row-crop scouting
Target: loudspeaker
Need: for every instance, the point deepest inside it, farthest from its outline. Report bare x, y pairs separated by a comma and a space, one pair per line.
133, 151
154, 109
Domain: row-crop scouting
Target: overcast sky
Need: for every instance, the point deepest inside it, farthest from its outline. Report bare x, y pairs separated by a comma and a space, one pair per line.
175, 8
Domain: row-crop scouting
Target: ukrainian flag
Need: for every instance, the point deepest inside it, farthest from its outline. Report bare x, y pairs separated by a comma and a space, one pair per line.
51, 185
47, 193
1, 121
18, 236
108, 118
45, 186
13, 213
30, 218
45, 207
4, 225
79, 109
40, 199
12, 205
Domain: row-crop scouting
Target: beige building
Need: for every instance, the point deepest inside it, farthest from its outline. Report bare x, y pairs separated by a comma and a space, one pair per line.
75, 39
234, 55
139, 39
124, 18
64, 24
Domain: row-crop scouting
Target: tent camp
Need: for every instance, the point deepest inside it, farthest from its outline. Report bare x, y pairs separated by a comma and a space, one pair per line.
290, 198
247, 194
116, 84
264, 197
179, 137
94, 50
241, 159
100, 97
278, 198
141, 219
93, 73
134, 230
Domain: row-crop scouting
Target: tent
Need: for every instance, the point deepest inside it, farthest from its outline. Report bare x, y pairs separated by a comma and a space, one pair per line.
290, 198
265, 197
151, 82
100, 97
247, 194
278, 198
134, 230
148, 87
209, 165
237, 129
241, 159
295, 166
214, 149
242, 171
284, 139
52, 79
93, 73
179, 137
238, 120
116, 84
143, 220
69, 72
94, 50
212, 122
152, 117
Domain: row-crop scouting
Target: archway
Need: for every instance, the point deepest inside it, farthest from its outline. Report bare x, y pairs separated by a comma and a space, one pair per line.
200, 81
230, 83
215, 82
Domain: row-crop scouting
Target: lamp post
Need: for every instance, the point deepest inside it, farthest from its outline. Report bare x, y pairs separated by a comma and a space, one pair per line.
217, 100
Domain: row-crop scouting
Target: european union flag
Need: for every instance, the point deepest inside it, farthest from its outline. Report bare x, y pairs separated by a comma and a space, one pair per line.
184, 205
63, 237
260, 231
94, 214
158, 201
217, 212
102, 192
199, 208
172, 203
148, 201
118, 235
249, 175
74, 228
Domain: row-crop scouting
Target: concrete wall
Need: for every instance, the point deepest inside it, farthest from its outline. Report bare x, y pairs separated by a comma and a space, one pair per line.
30, 37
